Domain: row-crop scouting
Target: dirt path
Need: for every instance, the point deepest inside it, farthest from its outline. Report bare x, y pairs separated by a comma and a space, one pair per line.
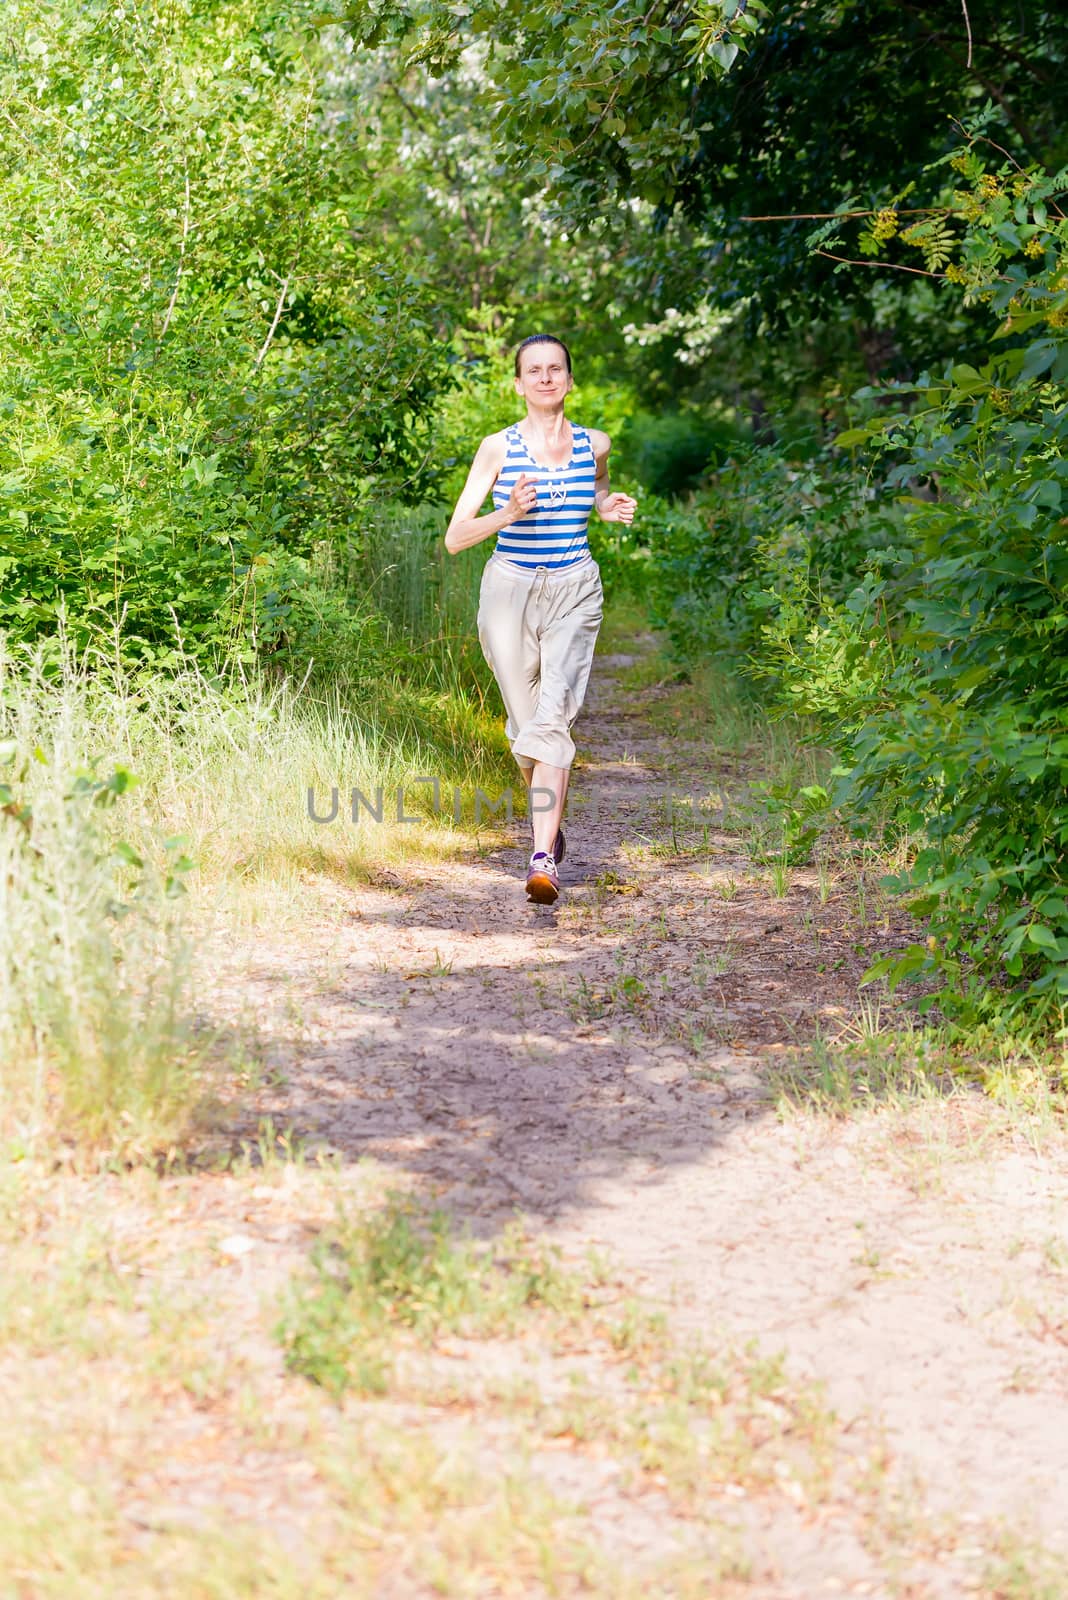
855, 1382
603, 1067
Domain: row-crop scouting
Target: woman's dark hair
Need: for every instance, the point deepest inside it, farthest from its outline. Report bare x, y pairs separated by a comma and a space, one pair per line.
541, 338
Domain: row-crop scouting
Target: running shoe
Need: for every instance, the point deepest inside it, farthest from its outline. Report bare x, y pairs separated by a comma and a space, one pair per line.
559, 848
543, 884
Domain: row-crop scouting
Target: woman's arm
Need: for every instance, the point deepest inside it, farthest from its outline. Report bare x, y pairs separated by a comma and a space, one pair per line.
610, 507
466, 527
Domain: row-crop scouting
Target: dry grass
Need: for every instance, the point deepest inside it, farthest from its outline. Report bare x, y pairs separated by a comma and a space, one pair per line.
143, 821
522, 1408
533, 1429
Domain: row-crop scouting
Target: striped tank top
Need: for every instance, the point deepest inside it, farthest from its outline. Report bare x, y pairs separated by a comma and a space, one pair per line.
554, 533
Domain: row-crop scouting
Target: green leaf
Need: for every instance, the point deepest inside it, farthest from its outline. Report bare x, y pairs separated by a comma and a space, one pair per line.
1039, 359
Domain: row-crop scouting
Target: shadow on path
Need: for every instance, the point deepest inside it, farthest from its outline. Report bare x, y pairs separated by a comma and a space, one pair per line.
507, 1055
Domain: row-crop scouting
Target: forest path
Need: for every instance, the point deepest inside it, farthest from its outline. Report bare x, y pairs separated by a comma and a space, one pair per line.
606, 1068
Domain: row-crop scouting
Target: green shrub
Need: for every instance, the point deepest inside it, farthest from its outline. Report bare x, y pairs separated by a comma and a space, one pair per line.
971, 741
905, 591
766, 530
942, 678
673, 452
205, 361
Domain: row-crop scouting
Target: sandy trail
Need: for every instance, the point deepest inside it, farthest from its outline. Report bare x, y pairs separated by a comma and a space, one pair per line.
602, 1067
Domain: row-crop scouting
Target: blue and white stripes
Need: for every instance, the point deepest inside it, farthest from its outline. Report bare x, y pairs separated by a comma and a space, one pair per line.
554, 533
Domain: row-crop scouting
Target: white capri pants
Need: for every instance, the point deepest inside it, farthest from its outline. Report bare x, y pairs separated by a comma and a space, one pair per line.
538, 628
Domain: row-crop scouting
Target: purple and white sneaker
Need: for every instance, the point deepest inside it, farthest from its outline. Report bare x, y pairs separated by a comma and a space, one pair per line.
543, 882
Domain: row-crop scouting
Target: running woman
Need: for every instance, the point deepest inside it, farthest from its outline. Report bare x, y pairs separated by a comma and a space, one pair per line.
541, 600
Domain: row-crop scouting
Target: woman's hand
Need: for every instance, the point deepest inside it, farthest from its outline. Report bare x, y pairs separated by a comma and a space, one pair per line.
466, 526
616, 507
524, 496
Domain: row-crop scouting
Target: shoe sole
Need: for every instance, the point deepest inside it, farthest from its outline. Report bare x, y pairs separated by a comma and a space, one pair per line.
541, 889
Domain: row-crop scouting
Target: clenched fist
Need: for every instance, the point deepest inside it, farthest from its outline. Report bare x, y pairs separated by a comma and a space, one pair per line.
524, 496
617, 508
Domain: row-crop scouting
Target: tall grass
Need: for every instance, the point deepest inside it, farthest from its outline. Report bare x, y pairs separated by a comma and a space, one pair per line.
95, 1017
145, 813
397, 563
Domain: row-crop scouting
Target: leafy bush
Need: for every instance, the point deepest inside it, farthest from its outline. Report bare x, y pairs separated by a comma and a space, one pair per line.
767, 530
942, 679
673, 452
905, 591
204, 358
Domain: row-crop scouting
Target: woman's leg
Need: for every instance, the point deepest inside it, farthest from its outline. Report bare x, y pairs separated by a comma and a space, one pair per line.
570, 620
510, 647
539, 639
546, 821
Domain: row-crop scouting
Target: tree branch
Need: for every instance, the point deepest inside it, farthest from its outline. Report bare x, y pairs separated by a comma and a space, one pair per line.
181, 260
940, 41
277, 317
829, 216
892, 266
920, 272
982, 138
452, 172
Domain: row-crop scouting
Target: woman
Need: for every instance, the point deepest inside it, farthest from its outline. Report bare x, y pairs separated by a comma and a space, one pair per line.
541, 601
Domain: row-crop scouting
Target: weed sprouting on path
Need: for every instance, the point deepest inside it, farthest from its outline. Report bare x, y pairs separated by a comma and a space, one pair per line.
395, 1270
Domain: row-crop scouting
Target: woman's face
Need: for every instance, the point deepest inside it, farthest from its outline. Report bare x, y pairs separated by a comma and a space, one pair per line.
543, 373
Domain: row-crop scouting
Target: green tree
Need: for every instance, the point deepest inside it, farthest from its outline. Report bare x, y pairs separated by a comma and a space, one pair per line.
721, 112
204, 356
